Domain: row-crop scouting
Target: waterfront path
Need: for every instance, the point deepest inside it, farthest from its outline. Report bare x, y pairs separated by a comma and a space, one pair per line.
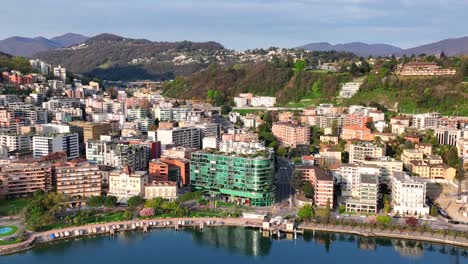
131, 225
396, 233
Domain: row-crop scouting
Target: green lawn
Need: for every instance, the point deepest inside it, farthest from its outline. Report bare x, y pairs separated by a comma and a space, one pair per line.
9, 242
12, 207
11, 232
244, 112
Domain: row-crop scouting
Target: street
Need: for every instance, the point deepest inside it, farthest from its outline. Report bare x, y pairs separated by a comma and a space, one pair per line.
283, 178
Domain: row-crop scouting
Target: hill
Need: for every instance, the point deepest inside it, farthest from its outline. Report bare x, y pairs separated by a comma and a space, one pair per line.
113, 57
451, 47
26, 47
447, 95
358, 48
69, 39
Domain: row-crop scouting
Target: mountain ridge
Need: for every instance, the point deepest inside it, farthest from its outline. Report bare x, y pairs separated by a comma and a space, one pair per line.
26, 47
450, 46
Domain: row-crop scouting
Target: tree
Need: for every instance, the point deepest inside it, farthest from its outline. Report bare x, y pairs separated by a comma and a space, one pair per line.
328, 211
384, 220
21, 64
434, 212
110, 201
451, 157
135, 201
147, 212
154, 203
282, 151
308, 190
386, 204
95, 201
411, 222
305, 213
297, 180
299, 65
225, 109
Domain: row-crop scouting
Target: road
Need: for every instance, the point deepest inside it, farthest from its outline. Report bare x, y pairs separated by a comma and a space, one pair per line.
283, 180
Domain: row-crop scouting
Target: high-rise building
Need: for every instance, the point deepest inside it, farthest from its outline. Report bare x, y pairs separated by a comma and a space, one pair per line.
118, 154
321, 180
89, 130
46, 144
366, 199
189, 137
60, 73
408, 195
243, 179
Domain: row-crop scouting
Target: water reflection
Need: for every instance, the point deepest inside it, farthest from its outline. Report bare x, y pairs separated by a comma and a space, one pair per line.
235, 240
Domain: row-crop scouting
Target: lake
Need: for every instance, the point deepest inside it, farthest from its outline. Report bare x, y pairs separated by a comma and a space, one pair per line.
235, 245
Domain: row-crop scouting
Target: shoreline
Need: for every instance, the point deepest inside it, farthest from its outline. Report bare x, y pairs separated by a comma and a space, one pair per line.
157, 223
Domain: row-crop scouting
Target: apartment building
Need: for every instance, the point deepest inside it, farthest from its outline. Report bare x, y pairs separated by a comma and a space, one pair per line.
449, 136
163, 189
411, 154
387, 167
360, 151
89, 130
189, 137
321, 180
350, 176
77, 178
438, 171
426, 121
357, 132
158, 171
356, 120
16, 142
291, 134
366, 200
349, 89
25, 177
118, 154
46, 144
126, 183
408, 195
242, 179
328, 157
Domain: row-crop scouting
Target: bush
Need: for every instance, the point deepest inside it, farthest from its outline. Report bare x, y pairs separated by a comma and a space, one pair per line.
190, 196
128, 215
135, 201
154, 203
305, 213
342, 209
384, 220
95, 201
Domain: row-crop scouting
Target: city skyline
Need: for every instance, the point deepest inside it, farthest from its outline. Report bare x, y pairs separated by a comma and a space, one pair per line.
240, 24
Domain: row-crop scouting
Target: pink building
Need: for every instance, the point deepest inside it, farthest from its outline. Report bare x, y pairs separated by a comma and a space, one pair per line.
321, 180
291, 134
357, 132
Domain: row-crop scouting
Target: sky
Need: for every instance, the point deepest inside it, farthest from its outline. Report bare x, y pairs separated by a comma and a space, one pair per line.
243, 24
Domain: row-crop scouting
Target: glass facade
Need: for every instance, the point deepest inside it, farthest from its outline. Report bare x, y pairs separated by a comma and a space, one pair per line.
247, 180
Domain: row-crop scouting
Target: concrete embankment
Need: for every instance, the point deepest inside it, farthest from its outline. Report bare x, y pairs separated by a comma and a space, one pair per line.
112, 227
395, 234
145, 225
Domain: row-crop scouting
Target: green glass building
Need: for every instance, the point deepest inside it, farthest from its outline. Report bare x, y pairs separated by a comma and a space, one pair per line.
247, 179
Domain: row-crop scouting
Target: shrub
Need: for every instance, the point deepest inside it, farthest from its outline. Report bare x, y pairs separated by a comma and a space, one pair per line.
135, 201
95, 201
110, 201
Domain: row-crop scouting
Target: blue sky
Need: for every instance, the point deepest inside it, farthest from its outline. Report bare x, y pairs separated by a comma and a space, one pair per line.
242, 24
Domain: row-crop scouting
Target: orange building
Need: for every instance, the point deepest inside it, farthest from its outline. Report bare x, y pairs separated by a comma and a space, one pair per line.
291, 134
183, 167
357, 132
321, 180
158, 170
356, 120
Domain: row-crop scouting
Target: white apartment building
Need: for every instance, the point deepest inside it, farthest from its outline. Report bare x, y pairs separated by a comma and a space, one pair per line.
124, 184
165, 189
426, 121
239, 147
361, 151
46, 144
60, 73
387, 167
367, 195
350, 176
189, 137
15, 142
349, 89
408, 195
449, 136
240, 101
265, 101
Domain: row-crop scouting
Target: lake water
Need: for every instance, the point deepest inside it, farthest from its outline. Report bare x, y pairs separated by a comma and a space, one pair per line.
228, 245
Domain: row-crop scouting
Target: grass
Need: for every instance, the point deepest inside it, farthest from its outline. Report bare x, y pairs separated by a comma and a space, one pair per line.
11, 232
244, 112
225, 204
12, 207
10, 242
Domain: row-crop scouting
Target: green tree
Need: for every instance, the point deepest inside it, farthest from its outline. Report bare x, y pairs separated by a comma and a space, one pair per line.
451, 157
95, 201
135, 201
386, 204
384, 220
226, 109
128, 215
434, 211
305, 213
282, 151
21, 64
308, 190
299, 65
297, 180
154, 203
110, 201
